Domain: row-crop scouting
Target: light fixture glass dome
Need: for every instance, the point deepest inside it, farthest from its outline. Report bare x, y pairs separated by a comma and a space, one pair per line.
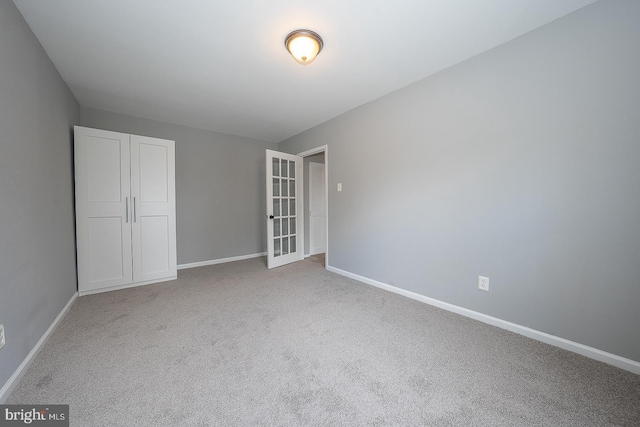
303, 45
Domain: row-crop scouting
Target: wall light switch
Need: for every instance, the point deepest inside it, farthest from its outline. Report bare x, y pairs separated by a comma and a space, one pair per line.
1, 336
339, 186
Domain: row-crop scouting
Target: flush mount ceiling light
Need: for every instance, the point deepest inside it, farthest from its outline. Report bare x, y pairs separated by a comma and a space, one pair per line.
303, 45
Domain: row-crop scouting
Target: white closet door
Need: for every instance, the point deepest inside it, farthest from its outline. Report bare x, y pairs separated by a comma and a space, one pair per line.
153, 209
103, 208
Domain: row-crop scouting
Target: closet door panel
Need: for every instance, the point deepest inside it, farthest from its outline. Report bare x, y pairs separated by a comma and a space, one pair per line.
104, 169
154, 224
102, 173
154, 173
105, 241
154, 241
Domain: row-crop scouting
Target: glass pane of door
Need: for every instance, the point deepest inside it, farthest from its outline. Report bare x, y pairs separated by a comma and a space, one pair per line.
276, 247
276, 227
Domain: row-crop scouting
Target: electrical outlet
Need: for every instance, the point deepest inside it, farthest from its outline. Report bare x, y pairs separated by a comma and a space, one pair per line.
483, 283
1, 336
339, 186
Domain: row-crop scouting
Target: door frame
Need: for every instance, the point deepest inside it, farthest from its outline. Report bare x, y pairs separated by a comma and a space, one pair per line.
322, 149
320, 168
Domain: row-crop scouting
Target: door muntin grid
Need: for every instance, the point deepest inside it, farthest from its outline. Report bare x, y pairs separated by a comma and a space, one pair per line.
284, 201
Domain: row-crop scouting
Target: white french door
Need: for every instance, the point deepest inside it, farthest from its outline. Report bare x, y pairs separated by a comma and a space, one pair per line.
284, 208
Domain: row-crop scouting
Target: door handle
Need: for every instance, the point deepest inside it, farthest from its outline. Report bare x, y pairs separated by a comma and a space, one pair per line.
134, 209
126, 203
270, 216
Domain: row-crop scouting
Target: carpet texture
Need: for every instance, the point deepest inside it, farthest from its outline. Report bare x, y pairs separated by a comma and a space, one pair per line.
238, 345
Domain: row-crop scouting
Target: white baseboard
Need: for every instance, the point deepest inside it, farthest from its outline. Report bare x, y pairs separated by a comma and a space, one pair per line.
13, 381
593, 353
220, 261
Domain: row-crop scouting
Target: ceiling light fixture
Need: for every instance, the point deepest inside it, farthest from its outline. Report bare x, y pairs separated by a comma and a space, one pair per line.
303, 45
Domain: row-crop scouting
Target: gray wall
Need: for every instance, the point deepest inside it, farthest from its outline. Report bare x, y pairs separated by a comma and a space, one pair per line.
220, 186
521, 164
316, 158
37, 241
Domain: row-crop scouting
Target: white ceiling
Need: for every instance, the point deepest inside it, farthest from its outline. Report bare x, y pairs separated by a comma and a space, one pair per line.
221, 64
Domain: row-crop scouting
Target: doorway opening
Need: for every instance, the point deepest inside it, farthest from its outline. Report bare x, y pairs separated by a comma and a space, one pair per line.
316, 204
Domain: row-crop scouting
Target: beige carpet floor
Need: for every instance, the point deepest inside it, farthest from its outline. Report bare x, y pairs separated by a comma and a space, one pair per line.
239, 345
